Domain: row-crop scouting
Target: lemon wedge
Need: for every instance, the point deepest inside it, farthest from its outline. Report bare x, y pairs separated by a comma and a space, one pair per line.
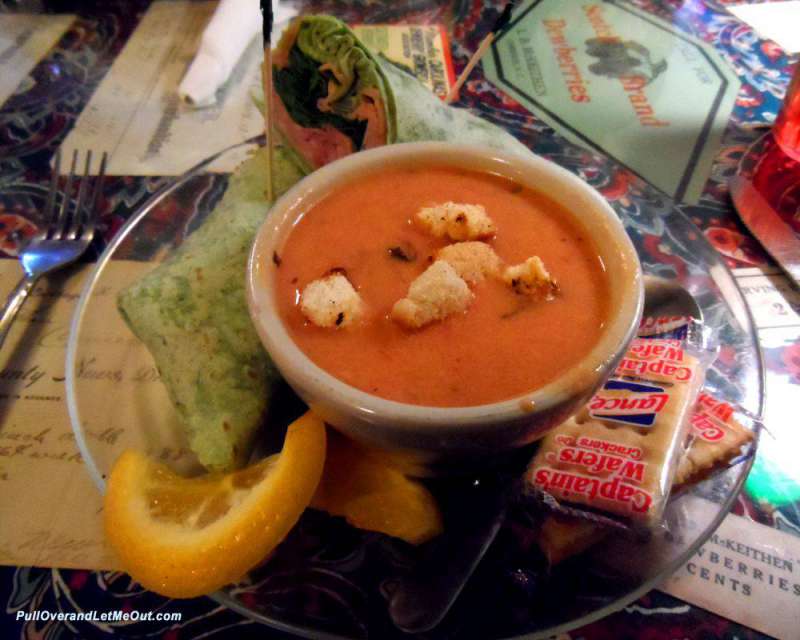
360, 485
185, 537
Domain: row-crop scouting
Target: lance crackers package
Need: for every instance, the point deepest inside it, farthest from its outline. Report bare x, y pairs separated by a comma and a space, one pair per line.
619, 455
718, 432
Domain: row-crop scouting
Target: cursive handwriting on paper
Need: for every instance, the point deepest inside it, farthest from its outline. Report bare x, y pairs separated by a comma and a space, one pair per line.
50, 507
27, 376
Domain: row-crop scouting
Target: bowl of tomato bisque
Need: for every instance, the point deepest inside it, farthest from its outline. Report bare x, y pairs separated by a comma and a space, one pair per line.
447, 303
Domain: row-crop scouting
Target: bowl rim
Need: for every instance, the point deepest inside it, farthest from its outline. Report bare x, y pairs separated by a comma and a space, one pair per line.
293, 362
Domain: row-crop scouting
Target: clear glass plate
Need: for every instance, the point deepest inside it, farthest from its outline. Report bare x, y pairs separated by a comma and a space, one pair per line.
326, 580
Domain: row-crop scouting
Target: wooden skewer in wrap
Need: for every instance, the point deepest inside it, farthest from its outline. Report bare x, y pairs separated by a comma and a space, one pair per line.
266, 79
483, 47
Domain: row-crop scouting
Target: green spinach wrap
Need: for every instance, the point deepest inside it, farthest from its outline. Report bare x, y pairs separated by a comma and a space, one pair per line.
332, 97
191, 313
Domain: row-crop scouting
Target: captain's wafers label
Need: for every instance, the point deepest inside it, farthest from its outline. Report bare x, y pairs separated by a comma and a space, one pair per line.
718, 436
704, 427
597, 456
708, 404
658, 360
592, 470
620, 453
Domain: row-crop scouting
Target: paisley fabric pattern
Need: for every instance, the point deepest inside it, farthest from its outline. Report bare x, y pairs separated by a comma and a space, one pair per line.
340, 565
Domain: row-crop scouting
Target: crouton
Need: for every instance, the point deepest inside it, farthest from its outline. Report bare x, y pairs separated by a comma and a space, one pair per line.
531, 279
331, 301
456, 221
473, 261
434, 295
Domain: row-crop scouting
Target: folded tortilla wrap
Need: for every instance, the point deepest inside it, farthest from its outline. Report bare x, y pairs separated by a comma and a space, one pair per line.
191, 312
333, 97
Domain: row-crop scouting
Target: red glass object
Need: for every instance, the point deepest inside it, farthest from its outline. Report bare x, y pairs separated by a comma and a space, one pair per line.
776, 173
787, 125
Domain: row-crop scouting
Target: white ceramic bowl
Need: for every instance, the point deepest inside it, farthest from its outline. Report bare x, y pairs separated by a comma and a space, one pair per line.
436, 439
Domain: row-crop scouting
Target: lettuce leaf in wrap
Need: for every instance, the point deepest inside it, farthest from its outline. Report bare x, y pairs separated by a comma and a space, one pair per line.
333, 97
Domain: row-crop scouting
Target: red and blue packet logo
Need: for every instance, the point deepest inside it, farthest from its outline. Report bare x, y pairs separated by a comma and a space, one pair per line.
639, 406
666, 327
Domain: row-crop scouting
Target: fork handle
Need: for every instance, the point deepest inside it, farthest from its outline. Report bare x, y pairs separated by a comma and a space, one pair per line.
14, 303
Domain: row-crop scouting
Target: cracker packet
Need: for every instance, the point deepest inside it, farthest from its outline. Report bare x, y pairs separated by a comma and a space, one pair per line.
719, 432
619, 455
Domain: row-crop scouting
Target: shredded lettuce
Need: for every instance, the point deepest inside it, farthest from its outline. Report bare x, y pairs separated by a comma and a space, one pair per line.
327, 40
301, 85
325, 49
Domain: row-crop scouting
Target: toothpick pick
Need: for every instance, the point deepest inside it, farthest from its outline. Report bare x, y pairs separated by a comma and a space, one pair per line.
473, 61
266, 79
501, 24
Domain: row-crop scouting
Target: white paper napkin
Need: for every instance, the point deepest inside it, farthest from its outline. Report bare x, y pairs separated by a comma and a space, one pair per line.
777, 21
231, 29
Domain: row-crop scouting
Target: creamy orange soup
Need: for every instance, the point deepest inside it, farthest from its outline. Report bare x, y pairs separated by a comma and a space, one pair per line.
503, 346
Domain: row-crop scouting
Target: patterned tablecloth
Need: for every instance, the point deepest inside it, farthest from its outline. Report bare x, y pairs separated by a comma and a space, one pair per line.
37, 117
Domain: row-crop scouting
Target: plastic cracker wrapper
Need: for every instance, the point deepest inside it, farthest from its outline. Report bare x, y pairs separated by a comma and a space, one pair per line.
618, 457
719, 431
687, 328
667, 326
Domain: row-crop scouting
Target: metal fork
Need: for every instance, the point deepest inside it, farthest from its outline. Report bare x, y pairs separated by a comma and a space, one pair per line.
65, 238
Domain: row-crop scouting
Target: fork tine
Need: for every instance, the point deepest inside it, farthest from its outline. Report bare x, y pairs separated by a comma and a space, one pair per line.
61, 223
79, 214
50, 217
92, 212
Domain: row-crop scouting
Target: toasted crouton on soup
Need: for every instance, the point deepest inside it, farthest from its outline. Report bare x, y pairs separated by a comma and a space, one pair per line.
331, 301
435, 294
456, 221
473, 261
531, 279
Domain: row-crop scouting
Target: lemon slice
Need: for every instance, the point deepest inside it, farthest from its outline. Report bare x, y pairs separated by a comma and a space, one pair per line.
185, 537
360, 485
